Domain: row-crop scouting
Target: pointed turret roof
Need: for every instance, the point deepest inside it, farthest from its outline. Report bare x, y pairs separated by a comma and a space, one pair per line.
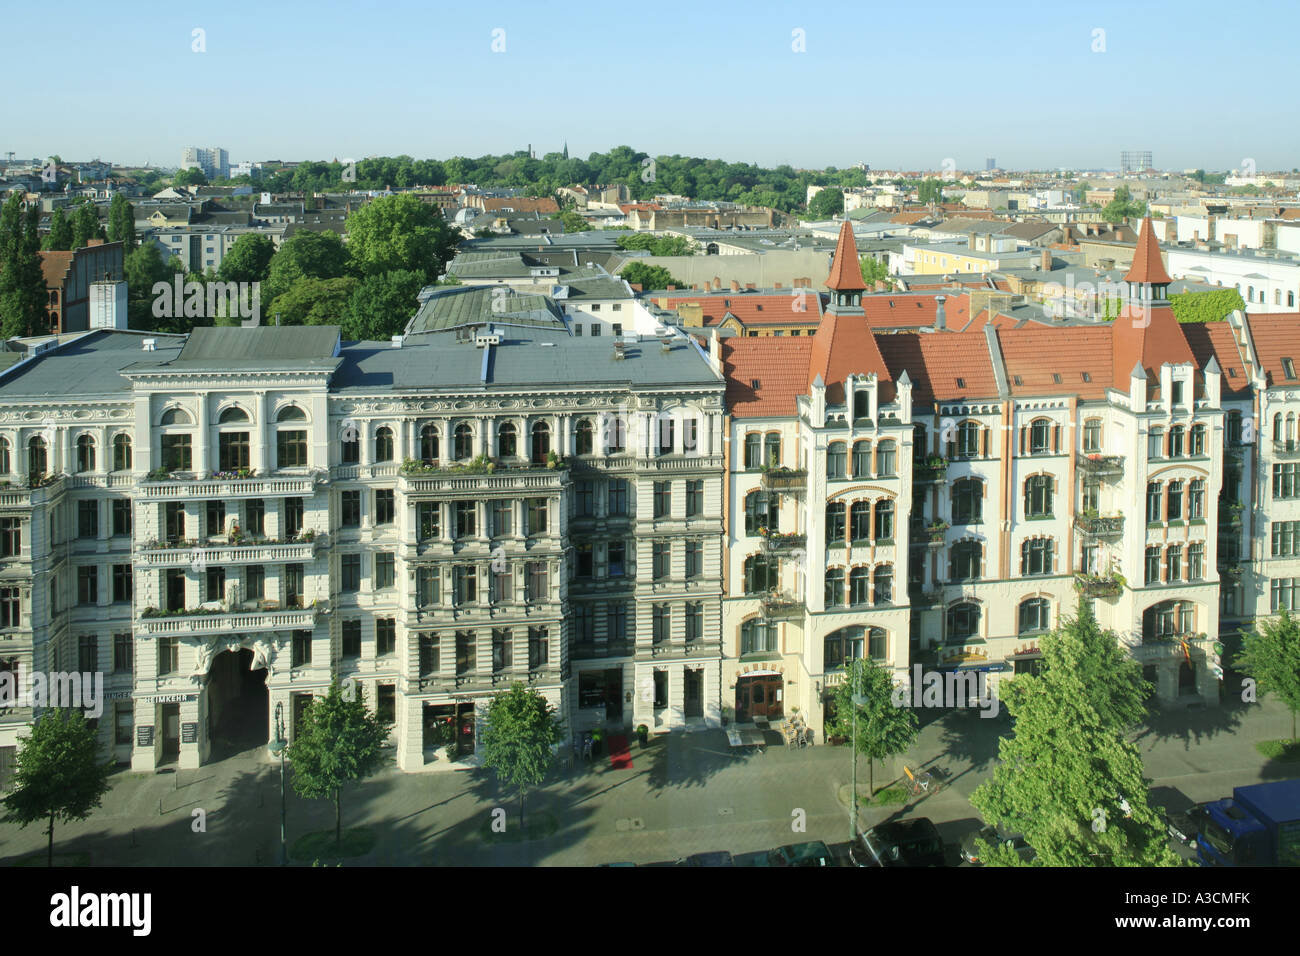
846, 270
1147, 265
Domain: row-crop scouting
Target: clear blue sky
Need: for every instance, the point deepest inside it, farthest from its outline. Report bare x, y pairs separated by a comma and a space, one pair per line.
889, 84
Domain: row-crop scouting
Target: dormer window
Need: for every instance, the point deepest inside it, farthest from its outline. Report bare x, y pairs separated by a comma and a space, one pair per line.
1177, 393
1288, 369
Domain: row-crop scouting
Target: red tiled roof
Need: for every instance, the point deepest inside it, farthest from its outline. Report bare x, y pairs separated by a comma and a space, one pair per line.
54, 266
844, 345
1038, 354
907, 218
1147, 265
935, 362
1277, 336
846, 270
1215, 340
752, 308
779, 365
1149, 337
906, 310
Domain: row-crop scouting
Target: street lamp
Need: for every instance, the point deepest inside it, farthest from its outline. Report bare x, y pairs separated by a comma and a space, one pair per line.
278, 746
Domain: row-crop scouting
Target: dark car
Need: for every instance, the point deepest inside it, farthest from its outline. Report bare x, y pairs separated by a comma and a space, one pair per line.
815, 853
1183, 825
759, 858
717, 858
913, 842
994, 837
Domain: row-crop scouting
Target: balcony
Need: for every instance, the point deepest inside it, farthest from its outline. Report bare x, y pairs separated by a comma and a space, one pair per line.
26, 494
173, 487
199, 622
1100, 526
933, 468
784, 479
776, 543
1287, 450
779, 606
160, 555
1102, 466
1095, 585
509, 481
679, 463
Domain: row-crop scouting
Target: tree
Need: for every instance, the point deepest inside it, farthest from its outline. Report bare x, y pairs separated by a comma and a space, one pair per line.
400, 232
1123, 206
311, 301
649, 277
194, 176
1270, 655
381, 305
22, 283
930, 190
521, 732
1068, 777
873, 271
249, 259
574, 222
657, 245
85, 225
316, 255
59, 775
884, 729
338, 741
60, 237
121, 221
826, 203
1211, 305
144, 267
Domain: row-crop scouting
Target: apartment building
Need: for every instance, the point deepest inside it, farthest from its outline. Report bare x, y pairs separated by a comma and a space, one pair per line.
223, 523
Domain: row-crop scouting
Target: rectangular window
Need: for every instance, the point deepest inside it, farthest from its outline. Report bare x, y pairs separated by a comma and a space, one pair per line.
1285, 484
88, 653
385, 636
428, 589
539, 654
464, 578
430, 655
428, 520
121, 583
694, 498
537, 516
351, 634
385, 570
662, 557
501, 584
617, 559
168, 655
123, 648
1283, 594
694, 621
385, 506
255, 582
255, 516
502, 518
386, 702
123, 723
177, 454
216, 518
1285, 536
584, 561
88, 585
350, 572
660, 623
300, 652
502, 650
583, 499
537, 581
617, 497
11, 608
350, 510
232, 451
1153, 564
1175, 563
174, 521
87, 519
291, 449
121, 516
11, 537
466, 653
214, 584
694, 558
293, 512
663, 499
466, 519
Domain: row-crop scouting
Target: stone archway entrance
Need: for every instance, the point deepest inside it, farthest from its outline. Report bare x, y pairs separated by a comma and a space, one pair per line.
237, 704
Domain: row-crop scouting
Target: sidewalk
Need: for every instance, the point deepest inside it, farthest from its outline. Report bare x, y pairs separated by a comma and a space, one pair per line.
687, 793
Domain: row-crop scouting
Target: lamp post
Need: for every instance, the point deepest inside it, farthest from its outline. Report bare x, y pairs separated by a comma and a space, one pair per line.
858, 701
278, 746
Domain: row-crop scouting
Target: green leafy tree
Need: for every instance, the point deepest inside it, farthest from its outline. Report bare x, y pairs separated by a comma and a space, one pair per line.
194, 176
381, 305
884, 729
314, 255
1212, 305
1270, 655
144, 267
400, 232
574, 222
827, 203
249, 259
930, 191
311, 301
22, 283
1068, 777
1123, 206
121, 221
59, 775
519, 738
874, 271
60, 237
657, 245
649, 277
338, 741
85, 225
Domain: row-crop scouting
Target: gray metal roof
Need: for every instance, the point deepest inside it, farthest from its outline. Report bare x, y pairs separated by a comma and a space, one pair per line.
89, 365
443, 308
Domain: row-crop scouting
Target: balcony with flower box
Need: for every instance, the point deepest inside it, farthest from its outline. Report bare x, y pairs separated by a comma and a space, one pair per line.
1099, 526
1099, 585
1286, 450
782, 606
774, 542
1101, 466
236, 550
162, 485
34, 491
929, 469
482, 476
784, 479
220, 618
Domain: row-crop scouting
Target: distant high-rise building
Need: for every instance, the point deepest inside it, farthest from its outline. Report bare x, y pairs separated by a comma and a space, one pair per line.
214, 161
1134, 160
990, 164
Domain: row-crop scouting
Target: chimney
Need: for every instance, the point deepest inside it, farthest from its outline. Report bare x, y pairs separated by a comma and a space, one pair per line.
735, 286
715, 349
776, 285
717, 282
1047, 260
150, 345
749, 286
940, 321
672, 288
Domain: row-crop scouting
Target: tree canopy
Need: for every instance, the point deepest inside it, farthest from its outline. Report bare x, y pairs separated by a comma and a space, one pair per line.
518, 740
884, 729
400, 232
1211, 305
827, 203
649, 277
1271, 655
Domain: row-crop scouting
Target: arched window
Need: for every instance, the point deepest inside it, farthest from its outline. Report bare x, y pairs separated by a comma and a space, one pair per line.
1034, 615
85, 453
1168, 619
1155, 443
862, 458
859, 587
463, 442
291, 413
884, 578
861, 403
585, 438
836, 459
37, 457
967, 501
667, 433
967, 557
886, 459
121, 452
753, 450
762, 574
1197, 448
429, 444
835, 523
290, 443
1038, 496
1092, 435
1196, 498
541, 442
860, 521
968, 440
772, 449
1175, 494
834, 587
384, 444
1155, 495
884, 520
963, 622
690, 434
232, 416
842, 646
1040, 436
1036, 556
762, 511
1176, 435
757, 637
6, 464
175, 416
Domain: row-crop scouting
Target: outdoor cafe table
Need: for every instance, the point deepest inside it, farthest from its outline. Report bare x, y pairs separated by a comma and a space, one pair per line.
744, 738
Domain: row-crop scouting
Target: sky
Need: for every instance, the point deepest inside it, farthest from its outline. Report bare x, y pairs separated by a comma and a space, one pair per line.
923, 86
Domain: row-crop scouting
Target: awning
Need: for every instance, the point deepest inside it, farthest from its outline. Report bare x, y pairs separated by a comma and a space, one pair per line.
977, 667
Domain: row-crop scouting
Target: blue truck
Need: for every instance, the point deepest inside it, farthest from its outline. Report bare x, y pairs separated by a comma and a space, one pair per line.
1258, 825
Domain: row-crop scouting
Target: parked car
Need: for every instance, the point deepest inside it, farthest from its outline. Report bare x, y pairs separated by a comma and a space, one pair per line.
815, 853
717, 858
993, 836
1183, 824
913, 842
759, 858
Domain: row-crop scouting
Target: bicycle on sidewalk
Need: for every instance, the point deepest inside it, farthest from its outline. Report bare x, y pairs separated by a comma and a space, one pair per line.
920, 782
